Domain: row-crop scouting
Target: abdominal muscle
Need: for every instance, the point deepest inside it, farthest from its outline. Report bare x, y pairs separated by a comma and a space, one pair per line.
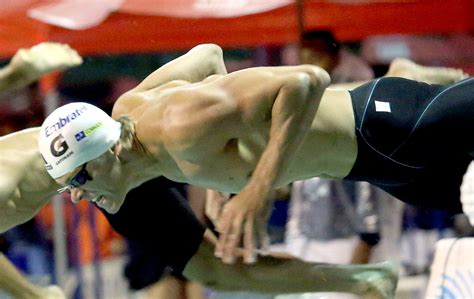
330, 149
227, 171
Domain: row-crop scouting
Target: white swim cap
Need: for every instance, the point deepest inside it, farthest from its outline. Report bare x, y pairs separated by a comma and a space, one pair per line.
75, 134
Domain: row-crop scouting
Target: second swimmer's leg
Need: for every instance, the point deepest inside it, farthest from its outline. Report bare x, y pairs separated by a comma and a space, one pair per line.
407, 69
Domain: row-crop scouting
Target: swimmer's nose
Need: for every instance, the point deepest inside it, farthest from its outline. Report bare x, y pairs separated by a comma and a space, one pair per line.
76, 195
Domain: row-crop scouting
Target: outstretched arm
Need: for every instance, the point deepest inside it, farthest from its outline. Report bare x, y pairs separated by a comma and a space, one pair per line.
199, 63
28, 65
17, 153
287, 275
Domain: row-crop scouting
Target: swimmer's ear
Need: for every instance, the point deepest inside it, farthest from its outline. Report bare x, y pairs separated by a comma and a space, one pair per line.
118, 149
127, 132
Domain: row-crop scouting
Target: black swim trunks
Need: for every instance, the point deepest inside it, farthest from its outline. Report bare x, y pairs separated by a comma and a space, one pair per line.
415, 140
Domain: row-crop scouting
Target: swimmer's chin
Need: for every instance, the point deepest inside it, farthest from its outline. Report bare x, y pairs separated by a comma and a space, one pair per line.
112, 210
112, 206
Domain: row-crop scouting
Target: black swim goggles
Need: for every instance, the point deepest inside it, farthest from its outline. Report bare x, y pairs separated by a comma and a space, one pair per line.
78, 180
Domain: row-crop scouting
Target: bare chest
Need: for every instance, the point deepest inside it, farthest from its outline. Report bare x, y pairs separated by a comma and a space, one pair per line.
227, 168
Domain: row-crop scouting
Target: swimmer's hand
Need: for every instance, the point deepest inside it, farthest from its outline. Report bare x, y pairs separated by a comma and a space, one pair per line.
30, 64
245, 210
214, 203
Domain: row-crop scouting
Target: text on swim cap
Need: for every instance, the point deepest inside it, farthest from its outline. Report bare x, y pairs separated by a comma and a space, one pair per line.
83, 134
64, 157
64, 121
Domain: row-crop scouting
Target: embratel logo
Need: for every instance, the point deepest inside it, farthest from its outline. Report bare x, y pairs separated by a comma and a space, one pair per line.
58, 146
83, 134
64, 121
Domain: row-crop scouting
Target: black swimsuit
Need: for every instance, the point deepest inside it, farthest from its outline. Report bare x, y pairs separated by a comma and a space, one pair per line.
414, 139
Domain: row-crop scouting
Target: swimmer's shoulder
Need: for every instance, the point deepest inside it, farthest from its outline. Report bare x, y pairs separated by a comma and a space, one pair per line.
29, 136
136, 100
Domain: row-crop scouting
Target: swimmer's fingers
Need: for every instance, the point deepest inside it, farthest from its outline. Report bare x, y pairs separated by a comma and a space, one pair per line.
227, 247
214, 203
261, 227
230, 230
249, 253
239, 213
262, 234
223, 227
209, 206
210, 237
233, 240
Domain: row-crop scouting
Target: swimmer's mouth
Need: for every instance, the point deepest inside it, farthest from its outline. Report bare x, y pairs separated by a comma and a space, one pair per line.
98, 200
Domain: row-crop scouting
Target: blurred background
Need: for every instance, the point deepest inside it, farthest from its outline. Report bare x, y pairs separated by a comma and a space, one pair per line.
122, 41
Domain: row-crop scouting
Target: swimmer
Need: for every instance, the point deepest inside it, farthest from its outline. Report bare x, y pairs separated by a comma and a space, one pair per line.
27, 66
256, 129
25, 187
249, 132
21, 168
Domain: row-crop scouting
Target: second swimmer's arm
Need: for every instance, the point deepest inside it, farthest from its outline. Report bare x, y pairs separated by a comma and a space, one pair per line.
25, 186
17, 285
